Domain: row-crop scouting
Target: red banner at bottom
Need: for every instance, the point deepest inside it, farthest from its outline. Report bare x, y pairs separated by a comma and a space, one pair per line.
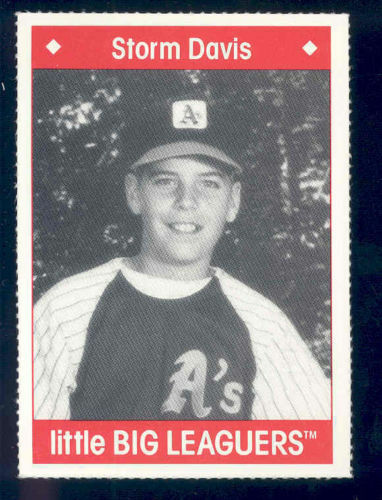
180, 442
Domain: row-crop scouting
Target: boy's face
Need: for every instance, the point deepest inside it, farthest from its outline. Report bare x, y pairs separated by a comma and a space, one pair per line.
184, 204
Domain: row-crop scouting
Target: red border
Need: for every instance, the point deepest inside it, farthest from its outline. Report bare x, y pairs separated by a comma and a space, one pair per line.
317, 450
40, 423
85, 47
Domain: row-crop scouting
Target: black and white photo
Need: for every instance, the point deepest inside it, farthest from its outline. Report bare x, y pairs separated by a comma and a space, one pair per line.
144, 175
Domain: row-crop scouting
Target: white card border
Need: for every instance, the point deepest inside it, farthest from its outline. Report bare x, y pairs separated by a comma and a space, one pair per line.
341, 340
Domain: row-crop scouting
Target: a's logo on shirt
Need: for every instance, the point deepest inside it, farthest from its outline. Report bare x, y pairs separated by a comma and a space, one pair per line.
189, 114
189, 383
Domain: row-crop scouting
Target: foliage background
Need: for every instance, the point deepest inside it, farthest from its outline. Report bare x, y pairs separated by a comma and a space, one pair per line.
280, 244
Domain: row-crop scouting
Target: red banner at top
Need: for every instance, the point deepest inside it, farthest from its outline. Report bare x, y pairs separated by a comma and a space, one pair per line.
180, 47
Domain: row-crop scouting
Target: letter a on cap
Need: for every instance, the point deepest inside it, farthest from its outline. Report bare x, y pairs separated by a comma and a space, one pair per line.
189, 114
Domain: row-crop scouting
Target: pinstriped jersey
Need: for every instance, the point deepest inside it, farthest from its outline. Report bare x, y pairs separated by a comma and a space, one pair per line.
288, 383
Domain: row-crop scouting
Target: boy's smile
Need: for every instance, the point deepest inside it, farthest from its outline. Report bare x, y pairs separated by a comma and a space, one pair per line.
184, 227
184, 203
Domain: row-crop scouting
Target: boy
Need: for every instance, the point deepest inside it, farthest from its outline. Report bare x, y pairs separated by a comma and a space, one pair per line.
163, 335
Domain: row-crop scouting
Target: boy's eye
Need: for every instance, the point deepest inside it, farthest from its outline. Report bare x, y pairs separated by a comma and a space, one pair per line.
164, 181
211, 184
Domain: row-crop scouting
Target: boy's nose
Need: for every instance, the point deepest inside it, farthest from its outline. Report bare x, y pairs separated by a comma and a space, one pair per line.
187, 197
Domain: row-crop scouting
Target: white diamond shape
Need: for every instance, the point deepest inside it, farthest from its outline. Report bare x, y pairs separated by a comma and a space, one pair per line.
309, 48
53, 46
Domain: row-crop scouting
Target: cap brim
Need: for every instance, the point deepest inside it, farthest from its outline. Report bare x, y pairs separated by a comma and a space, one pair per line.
185, 148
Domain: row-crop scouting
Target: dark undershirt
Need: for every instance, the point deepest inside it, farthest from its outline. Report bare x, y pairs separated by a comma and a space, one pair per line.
164, 359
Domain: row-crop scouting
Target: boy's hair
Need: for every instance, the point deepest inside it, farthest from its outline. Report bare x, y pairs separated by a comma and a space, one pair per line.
230, 172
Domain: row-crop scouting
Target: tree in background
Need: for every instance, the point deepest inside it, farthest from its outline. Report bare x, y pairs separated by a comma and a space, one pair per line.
280, 244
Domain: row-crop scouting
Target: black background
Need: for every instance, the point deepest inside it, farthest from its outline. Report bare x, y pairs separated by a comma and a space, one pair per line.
366, 74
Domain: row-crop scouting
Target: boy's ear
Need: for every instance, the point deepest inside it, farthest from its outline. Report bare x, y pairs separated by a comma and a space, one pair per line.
132, 194
233, 209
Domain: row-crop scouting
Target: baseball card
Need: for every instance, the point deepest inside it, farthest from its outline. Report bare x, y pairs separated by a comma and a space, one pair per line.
183, 245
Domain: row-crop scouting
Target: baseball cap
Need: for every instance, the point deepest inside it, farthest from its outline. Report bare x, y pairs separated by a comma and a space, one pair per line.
183, 127
185, 148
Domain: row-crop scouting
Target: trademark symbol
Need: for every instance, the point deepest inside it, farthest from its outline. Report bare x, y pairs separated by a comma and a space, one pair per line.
310, 434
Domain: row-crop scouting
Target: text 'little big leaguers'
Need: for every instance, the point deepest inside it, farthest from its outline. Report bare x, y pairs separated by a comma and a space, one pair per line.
164, 335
